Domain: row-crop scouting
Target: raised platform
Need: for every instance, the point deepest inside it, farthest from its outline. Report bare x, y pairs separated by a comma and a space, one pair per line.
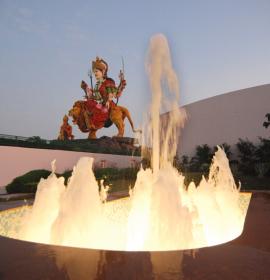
104, 144
112, 145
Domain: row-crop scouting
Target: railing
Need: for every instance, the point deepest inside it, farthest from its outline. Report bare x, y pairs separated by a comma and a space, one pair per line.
13, 137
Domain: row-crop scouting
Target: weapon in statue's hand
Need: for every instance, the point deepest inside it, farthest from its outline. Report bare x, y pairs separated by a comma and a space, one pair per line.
91, 79
123, 66
121, 76
122, 72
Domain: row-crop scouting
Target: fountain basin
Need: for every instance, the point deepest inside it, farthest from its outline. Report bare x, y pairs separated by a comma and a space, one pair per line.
246, 257
117, 212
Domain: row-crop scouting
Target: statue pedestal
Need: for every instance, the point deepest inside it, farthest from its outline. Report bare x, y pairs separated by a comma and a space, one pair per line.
126, 140
103, 145
122, 145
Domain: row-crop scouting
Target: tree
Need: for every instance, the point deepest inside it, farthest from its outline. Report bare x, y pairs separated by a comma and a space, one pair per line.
247, 155
183, 164
203, 157
263, 150
267, 123
262, 166
185, 160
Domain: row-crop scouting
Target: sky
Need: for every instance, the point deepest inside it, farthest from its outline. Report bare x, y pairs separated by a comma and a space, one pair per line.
47, 47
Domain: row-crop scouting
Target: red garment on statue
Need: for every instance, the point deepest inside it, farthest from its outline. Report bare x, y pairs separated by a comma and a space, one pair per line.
99, 113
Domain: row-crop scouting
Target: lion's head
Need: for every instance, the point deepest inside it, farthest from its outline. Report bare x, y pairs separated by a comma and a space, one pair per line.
77, 115
76, 111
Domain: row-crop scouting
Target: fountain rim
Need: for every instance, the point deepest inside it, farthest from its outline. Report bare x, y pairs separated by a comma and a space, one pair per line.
115, 250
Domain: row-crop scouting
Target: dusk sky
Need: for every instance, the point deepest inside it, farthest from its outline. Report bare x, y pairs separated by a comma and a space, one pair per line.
46, 48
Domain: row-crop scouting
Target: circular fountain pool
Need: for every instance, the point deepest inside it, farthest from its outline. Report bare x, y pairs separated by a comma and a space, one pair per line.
117, 213
244, 258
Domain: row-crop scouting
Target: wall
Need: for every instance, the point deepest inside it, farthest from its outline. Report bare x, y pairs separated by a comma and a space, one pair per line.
226, 118
16, 161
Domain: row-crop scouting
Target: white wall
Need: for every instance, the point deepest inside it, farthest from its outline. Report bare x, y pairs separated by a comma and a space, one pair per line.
226, 118
16, 161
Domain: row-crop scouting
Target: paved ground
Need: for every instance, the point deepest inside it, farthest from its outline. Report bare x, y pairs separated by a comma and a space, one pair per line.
2, 190
14, 203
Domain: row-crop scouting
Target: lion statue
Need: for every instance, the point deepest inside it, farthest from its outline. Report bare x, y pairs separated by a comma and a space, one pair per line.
82, 119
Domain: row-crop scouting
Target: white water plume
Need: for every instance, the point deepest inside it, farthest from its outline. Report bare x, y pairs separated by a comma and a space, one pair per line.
163, 134
162, 213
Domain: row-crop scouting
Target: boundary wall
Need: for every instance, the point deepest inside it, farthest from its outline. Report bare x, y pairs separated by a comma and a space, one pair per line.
16, 161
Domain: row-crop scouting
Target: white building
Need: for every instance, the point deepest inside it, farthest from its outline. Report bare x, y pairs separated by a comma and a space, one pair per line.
226, 118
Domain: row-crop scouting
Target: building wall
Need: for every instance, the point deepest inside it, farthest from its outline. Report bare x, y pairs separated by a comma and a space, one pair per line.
226, 118
16, 161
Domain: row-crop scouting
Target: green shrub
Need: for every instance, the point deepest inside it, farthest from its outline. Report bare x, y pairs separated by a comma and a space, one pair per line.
66, 175
110, 174
27, 183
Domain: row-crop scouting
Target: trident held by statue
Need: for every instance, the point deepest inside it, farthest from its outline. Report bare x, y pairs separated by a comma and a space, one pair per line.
90, 75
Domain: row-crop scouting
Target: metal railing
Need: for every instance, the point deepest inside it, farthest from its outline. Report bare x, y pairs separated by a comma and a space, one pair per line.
13, 137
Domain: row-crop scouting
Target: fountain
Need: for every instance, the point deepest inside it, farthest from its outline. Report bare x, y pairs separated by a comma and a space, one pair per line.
161, 213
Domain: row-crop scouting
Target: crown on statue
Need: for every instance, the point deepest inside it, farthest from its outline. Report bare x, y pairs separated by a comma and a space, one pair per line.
100, 64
